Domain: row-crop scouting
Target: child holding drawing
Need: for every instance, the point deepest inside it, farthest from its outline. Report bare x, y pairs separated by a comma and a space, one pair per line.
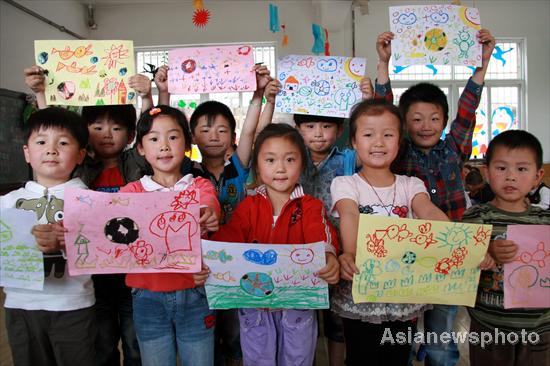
171, 313
375, 133
514, 168
280, 213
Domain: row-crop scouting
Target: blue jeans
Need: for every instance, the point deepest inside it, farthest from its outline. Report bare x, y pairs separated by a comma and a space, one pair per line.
441, 319
171, 322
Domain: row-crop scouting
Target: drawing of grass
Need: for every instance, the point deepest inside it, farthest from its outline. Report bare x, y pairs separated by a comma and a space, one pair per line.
230, 297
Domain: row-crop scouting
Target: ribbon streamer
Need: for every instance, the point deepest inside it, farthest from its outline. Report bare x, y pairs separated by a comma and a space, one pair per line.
273, 18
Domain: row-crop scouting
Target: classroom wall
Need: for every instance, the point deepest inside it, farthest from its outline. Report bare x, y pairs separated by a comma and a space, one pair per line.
18, 30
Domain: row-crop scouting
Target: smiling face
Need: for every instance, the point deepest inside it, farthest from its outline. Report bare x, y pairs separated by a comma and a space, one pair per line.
108, 138
53, 154
213, 139
302, 256
424, 123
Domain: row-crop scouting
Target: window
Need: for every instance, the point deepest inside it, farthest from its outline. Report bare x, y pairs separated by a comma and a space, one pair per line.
502, 105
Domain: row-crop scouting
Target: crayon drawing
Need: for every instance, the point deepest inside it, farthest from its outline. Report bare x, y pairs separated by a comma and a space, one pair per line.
265, 276
527, 278
435, 35
211, 69
319, 85
21, 262
416, 261
132, 232
86, 72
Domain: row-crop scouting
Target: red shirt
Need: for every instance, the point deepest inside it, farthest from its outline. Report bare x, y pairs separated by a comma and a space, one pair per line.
109, 180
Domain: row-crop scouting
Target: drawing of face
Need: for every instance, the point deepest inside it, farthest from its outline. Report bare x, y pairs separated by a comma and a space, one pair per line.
357, 66
327, 65
472, 15
439, 17
407, 19
302, 256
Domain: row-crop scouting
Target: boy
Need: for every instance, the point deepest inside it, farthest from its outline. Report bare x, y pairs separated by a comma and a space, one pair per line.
478, 190
514, 168
437, 162
54, 326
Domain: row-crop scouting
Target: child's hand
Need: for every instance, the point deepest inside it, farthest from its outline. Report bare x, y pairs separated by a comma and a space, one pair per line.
383, 46
141, 84
35, 79
347, 266
200, 277
366, 88
209, 220
271, 90
330, 272
161, 79
488, 41
503, 251
48, 237
262, 76
487, 263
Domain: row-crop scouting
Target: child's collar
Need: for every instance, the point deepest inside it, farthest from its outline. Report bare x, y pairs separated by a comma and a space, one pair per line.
150, 185
296, 193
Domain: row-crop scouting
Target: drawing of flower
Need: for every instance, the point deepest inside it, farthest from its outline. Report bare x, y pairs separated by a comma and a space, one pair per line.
481, 235
141, 251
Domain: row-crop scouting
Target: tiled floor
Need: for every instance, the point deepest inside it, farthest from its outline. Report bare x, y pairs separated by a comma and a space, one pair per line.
462, 323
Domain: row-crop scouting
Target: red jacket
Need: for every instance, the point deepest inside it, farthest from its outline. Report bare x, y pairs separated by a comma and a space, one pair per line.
302, 221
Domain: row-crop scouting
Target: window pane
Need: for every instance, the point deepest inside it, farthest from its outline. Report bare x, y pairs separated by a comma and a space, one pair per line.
504, 64
420, 72
480, 139
504, 109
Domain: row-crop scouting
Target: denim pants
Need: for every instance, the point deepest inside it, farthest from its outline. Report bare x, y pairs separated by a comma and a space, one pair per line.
283, 337
441, 319
170, 322
114, 322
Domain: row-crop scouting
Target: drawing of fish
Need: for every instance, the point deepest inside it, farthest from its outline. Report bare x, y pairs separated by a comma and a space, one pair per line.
78, 52
72, 68
226, 276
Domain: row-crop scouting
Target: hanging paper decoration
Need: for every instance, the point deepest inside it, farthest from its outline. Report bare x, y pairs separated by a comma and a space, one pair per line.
201, 17
284, 43
273, 18
318, 39
198, 5
327, 45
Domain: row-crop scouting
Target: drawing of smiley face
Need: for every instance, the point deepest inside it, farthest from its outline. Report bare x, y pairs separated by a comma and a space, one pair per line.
439, 17
406, 19
357, 66
327, 65
302, 256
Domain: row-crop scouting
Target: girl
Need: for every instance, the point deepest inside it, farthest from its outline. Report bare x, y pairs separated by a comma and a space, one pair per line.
375, 133
170, 310
280, 213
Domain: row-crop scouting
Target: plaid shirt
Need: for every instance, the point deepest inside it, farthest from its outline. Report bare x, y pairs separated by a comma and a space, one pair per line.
441, 167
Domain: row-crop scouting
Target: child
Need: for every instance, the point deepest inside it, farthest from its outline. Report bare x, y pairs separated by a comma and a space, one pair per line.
478, 190
514, 168
438, 163
170, 310
540, 196
375, 133
54, 326
280, 213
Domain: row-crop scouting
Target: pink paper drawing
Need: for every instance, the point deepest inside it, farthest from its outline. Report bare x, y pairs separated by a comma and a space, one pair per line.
527, 278
132, 232
211, 69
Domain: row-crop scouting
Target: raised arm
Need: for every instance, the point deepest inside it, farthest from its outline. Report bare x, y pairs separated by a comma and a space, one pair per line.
142, 85
271, 90
36, 81
161, 81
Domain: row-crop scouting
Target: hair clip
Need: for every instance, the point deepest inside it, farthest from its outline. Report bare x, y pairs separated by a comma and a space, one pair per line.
155, 111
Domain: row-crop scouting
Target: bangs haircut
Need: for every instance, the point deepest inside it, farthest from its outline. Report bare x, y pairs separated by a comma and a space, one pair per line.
124, 115
307, 118
424, 93
145, 123
515, 139
373, 107
211, 109
56, 117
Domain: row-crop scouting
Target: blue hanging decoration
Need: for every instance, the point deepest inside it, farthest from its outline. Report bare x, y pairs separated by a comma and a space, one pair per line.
274, 18
318, 39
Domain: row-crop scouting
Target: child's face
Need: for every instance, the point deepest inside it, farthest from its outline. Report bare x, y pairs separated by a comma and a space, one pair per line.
376, 139
424, 123
279, 164
108, 138
214, 140
164, 146
512, 174
320, 136
53, 154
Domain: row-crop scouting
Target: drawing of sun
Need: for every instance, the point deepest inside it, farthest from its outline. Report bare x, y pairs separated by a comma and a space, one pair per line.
301, 255
454, 237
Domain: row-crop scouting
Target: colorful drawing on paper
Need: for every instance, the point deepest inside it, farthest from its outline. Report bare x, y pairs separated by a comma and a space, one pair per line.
319, 85
86, 72
132, 232
416, 261
527, 278
435, 35
21, 262
211, 69
265, 276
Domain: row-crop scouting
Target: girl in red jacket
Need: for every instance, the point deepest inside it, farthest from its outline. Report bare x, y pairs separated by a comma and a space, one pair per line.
170, 309
280, 213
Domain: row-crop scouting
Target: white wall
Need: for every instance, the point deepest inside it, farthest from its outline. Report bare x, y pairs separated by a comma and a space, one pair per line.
18, 30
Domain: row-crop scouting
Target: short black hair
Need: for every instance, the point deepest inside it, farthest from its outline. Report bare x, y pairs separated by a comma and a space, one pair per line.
145, 122
515, 139
278, 130
424, 93
56, 117
124, 115
306, 118
211, 109
474, 177
372, 107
